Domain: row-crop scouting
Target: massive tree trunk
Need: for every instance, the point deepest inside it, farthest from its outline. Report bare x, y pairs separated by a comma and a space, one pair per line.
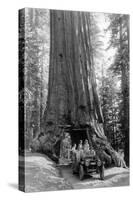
72, 96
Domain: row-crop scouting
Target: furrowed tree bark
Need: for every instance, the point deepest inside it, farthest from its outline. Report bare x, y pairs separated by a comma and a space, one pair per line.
72, 95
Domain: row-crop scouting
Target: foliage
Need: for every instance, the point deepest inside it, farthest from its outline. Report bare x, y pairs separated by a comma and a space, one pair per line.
111, 100
119, 39
36, 60
112, 75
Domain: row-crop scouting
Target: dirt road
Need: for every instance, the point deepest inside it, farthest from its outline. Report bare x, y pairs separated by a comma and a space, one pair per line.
42, 174
113, 177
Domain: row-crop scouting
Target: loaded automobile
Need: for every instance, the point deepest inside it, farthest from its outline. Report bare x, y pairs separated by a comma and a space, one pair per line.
88, 164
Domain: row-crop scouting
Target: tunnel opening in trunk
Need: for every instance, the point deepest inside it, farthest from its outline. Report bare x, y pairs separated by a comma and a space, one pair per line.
77, 135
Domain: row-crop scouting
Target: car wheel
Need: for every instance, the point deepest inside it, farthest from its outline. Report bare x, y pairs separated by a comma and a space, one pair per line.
74, 171
101, 172
74, 168
81, 172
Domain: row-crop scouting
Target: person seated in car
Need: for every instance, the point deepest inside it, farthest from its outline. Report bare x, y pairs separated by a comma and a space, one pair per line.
80, 146
79, 152
86, 147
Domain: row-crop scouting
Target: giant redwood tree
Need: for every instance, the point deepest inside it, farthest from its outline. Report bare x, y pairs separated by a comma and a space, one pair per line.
72, 95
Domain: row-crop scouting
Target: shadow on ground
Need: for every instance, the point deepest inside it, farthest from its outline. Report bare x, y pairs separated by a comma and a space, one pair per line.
13, 185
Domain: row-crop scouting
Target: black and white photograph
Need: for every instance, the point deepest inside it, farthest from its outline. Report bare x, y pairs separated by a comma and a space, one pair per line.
74, 71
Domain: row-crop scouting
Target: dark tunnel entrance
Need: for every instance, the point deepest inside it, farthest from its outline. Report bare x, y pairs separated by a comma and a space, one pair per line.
77, 135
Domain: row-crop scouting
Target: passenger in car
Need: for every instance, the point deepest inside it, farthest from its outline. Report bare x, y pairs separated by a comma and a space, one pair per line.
86, 147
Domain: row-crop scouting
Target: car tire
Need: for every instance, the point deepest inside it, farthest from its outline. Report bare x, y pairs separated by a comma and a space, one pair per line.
101, 172
81, 172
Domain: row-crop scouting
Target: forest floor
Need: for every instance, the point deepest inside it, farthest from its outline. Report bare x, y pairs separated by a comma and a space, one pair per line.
42, 174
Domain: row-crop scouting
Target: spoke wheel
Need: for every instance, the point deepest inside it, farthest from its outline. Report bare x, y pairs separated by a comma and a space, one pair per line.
102, 172
81, 172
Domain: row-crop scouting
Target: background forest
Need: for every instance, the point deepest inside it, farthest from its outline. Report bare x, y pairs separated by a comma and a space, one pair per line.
109, 34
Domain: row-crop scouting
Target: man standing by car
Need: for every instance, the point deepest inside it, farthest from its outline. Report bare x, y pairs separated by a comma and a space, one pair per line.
101, 155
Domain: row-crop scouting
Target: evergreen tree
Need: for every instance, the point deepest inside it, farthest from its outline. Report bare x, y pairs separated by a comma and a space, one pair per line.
119, 28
